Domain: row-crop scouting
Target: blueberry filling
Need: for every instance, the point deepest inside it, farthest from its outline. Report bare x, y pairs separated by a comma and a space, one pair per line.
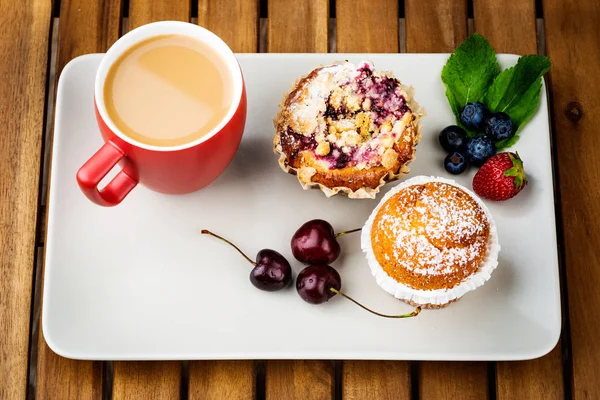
335, 113
365, 71
298, 142
337, 158
386, 99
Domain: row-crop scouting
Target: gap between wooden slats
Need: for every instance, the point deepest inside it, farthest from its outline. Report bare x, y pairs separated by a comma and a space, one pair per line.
237, 23
513, 30
572, 43
52, 375
25, 30
439, 26
371, 27
37, 288
298, 26
137, 380
63, 373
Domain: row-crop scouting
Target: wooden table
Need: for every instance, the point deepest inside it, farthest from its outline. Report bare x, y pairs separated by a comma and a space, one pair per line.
37, 39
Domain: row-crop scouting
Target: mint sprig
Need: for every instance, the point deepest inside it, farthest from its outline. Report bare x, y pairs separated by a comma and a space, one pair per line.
469, 72
472, 74
516, 91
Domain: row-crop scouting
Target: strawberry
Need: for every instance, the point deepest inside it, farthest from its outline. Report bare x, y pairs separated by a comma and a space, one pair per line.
501, 177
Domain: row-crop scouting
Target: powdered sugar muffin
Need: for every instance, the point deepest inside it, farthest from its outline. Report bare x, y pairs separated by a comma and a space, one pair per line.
347, 128
430, 241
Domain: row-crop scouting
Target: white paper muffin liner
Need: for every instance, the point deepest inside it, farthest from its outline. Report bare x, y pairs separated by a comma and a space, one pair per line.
437, 297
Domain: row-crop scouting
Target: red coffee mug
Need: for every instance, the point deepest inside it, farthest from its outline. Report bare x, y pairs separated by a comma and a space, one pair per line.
169, 169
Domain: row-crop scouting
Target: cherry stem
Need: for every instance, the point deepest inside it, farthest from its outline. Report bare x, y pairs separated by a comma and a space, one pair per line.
409, 315
346, 232
207, 232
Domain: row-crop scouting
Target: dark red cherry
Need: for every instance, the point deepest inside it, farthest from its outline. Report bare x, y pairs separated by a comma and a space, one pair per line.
315, 243
317, 283
271, 270
314, 283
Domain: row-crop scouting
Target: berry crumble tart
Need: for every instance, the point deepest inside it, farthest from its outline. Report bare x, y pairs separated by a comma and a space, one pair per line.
347, 128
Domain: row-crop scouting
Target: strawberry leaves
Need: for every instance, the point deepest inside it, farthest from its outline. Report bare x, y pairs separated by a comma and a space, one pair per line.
517, 171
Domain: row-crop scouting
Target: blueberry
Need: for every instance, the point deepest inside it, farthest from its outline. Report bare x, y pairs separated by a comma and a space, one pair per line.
455, 163
474, 115
479, 149
453, 138
499, 126
342, 160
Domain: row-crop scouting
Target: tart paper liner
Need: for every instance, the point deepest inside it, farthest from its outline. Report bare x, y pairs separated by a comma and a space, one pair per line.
439, 297
304, 174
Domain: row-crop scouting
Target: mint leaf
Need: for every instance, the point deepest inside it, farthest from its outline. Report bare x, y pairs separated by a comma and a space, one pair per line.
506, 143
496, 91
510, 86
521, 110
516, 91
469, 72
455, 107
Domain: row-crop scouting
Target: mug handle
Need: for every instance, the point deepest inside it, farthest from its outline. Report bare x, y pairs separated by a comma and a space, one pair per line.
96, 168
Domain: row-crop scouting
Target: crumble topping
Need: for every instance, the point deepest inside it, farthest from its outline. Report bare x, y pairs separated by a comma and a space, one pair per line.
350, 115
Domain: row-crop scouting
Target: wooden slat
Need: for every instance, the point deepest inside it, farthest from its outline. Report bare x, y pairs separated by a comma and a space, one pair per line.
539, 379
91, 37
62, 378
25, 31
95, 35
298, 26
371, 27
376, 380
510, 27
439, 26
86, 26
147, 380
234, 21
453, 380
573, 45
150, 380
216, 380
367, 26
435, 26
299, 380
143, 12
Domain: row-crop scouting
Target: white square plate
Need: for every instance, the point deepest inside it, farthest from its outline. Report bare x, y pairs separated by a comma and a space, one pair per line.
138, 281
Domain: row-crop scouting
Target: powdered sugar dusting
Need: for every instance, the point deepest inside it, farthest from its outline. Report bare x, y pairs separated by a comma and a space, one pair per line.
442, 233
414, 251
